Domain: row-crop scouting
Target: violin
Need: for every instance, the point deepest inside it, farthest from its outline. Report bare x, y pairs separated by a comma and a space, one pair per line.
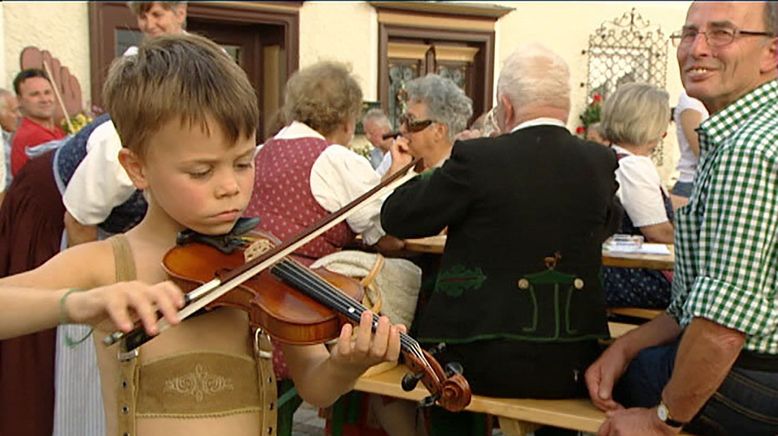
293, 303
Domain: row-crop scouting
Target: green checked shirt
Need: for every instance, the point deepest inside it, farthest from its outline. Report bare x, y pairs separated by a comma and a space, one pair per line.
726, 238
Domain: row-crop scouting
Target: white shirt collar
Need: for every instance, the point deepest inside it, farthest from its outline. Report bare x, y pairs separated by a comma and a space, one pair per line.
298, 130
543, 121
622, 150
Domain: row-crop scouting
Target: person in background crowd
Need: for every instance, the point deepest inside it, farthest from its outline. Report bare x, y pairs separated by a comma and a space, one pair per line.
518, 206
9, 120
36, 101
634, 120
688, 115
709, 364
158, 18
376, 125
595, 134
437, 110
307, 171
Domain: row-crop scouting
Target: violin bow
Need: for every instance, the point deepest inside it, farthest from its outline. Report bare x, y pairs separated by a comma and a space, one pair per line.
212, 290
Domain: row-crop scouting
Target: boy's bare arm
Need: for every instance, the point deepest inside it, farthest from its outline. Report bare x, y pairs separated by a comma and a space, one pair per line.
35, 300
322, 376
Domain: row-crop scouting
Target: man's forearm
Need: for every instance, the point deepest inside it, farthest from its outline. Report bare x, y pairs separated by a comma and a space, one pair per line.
705, 356
658, 331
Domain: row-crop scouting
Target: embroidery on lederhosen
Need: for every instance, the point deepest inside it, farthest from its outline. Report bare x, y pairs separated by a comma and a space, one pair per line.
458, 279
550, 276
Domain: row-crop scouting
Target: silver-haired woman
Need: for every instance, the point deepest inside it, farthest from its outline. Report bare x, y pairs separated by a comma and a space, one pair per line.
635, 120
437, 109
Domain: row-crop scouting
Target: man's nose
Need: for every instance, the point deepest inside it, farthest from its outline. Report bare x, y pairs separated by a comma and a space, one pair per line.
699, 46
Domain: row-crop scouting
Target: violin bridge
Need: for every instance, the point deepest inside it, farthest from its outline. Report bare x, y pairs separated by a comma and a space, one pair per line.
256, 249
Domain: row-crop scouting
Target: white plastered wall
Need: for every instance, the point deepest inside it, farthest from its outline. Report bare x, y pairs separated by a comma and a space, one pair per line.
60, 27
342, 31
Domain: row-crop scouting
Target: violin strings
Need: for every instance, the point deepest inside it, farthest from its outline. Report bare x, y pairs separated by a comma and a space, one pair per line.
327, 294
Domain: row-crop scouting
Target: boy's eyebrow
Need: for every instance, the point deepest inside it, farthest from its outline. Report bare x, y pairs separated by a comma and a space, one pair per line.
248, 153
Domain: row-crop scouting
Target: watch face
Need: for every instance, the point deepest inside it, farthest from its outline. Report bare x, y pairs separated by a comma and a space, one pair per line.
661, 411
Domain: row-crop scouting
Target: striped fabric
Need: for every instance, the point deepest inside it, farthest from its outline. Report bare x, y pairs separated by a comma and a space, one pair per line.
78, 404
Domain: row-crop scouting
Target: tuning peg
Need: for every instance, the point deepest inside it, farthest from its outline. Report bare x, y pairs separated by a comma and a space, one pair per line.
437, 348
410, 381
429, 401
453, 368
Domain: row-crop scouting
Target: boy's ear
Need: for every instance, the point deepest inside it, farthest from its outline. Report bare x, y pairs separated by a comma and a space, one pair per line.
134, 167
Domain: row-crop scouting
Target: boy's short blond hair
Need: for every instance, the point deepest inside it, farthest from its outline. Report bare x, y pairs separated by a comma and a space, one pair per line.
323, 96
178, 77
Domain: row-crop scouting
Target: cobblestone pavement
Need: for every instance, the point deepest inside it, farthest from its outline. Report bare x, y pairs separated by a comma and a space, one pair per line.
307, 421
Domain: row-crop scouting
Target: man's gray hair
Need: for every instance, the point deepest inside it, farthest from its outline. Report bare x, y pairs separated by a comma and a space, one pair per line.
378, 116
636, 114
771, 17
446, 102
533, 74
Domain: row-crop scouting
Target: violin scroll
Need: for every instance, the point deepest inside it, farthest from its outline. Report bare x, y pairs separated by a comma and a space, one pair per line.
448, 388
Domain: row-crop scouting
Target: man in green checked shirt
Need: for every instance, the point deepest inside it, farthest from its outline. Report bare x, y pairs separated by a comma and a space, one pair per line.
710, 363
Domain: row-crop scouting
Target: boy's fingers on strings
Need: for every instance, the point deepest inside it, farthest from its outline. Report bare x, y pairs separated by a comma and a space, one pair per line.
364, 335
381, 338
343, 346
393, 348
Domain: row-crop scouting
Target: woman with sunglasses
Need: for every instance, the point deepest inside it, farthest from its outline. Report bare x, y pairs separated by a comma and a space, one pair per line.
437, 109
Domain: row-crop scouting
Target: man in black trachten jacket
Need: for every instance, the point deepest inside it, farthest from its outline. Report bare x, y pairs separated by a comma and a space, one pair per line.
518, 300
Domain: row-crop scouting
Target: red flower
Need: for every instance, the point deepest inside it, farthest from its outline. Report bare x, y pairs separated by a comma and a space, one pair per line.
580, 130
597, 97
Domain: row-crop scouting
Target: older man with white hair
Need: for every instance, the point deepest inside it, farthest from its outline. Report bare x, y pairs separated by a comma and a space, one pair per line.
518, 299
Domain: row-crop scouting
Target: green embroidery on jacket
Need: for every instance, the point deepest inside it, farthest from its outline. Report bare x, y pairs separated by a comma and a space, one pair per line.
458, 279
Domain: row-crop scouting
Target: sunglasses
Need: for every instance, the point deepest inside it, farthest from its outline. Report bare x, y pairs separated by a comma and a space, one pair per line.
413, 125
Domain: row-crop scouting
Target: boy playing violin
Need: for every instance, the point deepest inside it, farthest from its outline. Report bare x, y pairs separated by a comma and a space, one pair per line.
186, 115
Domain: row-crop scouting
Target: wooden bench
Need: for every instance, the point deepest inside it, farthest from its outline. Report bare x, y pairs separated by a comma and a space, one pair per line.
516, 416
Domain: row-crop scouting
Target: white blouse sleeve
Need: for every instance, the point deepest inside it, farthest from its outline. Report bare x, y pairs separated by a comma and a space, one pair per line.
639, 191
339, 176
99, 183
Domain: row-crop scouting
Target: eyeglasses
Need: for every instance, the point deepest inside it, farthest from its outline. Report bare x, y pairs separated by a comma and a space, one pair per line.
413, 125
714, 37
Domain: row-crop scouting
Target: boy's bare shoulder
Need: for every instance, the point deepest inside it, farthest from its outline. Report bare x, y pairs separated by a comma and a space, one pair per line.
84, 266
97, 257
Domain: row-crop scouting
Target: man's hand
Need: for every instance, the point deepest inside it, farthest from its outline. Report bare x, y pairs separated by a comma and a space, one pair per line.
78, 233
636, 421
389, 244
401, 155
602, 375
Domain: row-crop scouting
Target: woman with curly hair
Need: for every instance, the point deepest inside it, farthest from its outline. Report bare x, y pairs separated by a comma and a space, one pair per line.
307, 171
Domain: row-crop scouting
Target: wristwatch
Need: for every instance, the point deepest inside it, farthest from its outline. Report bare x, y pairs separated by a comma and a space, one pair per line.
664, 415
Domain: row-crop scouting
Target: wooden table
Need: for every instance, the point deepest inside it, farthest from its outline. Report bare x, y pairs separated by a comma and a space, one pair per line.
436, 244
634, 260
